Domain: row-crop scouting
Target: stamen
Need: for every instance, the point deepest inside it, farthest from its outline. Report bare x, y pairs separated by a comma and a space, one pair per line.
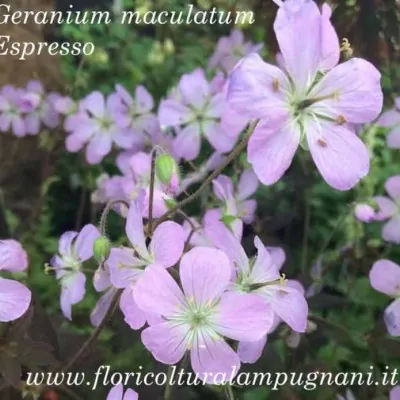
275, 85
346, 48
322, 143
48, 269
341, 120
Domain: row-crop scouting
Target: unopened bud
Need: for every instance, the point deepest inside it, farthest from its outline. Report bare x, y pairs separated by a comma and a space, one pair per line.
166, 168
101, 248
170, 203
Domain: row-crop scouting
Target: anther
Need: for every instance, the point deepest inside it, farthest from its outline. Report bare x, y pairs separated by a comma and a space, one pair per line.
275, 85
322, 142
341, 120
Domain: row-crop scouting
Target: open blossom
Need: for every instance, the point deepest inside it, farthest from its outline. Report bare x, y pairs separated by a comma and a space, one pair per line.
117, 393
128, 263
198, 318
246, 187
348, 396
261, 275
196, 112
15, 298
299, 105
389, 209
230, 49
385, 278
95, 125
391, 119
12, 111
135, 114
73, 250
41, 108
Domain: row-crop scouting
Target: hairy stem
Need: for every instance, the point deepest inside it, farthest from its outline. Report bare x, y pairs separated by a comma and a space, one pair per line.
151, 195
232, 156
229, 392
106, 211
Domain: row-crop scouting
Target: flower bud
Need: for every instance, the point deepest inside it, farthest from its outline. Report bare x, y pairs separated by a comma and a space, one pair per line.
166, 168
101, 248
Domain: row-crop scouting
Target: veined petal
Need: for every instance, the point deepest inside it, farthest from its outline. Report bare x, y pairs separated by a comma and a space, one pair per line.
167, 243
250, 352
385, 277
157, 292
223, 187
65, 243
243, 317
188, 142
14, 299
167, 341
393, 139
330, 41
116, 392
351, 90
263, 270
271, 151
340, 155
84, 242
101, 307
256, 90
173, 113
387, 208
205, 274
389, 119
298, 28
194, 88
392, 318
143, 100
211, 355
133, 315
247, 185
95, 104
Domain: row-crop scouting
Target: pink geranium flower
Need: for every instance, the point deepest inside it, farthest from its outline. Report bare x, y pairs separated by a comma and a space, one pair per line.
73, 250
385, 278
128, 263
199, 317
195, 111
15, 298
395, 393
299, 105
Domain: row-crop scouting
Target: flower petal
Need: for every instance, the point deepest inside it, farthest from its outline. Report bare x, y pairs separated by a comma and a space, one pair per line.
247, 185
15, 299
391, 230
387, 208
340, 155
194, 88
211, 355
276, 146
353, 91
143, 100
156, 292
101, 307
84, 242
393, 139
167, 243
135, 231
173, 113
205, 274
244, 317
392, 187
95, 104
116, 392
250, 352
134, 316
188, 142
255, 90
167, 341
385, 277
389, 118
392, 318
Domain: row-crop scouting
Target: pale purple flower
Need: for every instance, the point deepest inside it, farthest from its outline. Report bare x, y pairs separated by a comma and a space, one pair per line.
391, 119
15, 298
299, 106
117, 393
135, 114
95, 125
198, 318
389, 209
41, 108
395, 393
11, 111
238, 198
230, 49
109, 188
261, 275
127, 264
73, 250
364, 213
385, 278
197, 113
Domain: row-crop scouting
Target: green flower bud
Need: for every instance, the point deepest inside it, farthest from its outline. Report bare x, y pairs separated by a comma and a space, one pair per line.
170, 203
101, 248
165, 168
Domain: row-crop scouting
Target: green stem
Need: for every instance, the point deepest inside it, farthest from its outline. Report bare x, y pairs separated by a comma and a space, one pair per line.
151, 195
229, 393
232, 156
168, 386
